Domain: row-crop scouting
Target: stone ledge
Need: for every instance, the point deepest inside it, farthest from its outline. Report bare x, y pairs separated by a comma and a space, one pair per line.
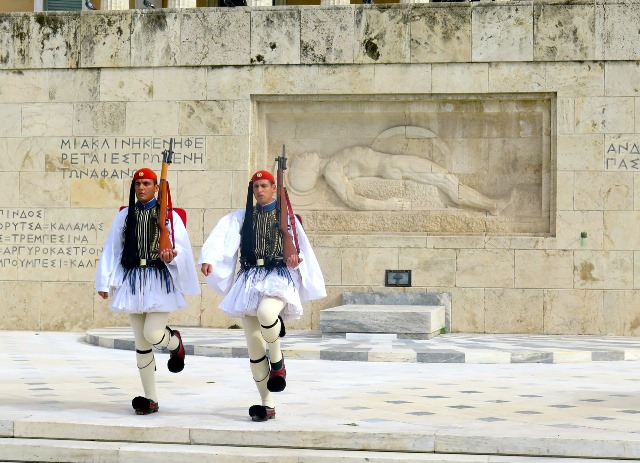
433, 298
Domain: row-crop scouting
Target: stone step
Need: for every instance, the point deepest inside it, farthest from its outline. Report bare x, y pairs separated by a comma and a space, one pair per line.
73, 451
405, 321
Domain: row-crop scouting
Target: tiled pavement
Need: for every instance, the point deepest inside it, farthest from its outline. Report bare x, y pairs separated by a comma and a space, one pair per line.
451, 348
63, 399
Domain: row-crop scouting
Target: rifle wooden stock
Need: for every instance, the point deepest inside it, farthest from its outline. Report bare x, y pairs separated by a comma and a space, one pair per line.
282, 202
163, 196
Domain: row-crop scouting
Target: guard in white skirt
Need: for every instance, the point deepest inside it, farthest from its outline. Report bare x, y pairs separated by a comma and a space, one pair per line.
267, 290
145, 283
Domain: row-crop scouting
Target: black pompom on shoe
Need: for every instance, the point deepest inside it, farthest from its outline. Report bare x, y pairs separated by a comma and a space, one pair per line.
277, 381
262, 413
175, 364
144, 406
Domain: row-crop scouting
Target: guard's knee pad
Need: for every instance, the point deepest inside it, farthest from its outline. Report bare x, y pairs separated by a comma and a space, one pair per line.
271, 333
259, 369
145, 358
159, 339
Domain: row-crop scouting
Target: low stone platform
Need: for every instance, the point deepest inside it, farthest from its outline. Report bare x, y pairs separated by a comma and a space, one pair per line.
401, 321
66, 400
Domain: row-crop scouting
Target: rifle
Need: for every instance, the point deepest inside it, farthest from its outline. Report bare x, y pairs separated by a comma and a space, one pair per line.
165, 199
284, 212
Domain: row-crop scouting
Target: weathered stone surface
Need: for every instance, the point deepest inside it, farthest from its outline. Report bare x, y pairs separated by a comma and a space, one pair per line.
613, 22
622, 313
467, 309
22, 301
576, 79
429, 267
95, 119
189, 316
229, 82
440, 34
130, 84
205, 118
502, 32
623, 78
416, 79
275, 37
603, 269
543, 269
330, 259
604, 115
563, 32
228, 37
514, 310
7, 40
485, 268
105, 40
326, 36
194, 189
189, 83
10, 120
342, 79
575, 312
580, 153
96, 193
155, 38
18, 38
566, 114
286, 79
460, 78
53, 40
571, 224
23, 86
40, 119
231, 153
211, 315
619, 230
517, 77
603, 191
11, 187
382, 35
74, 85
152, 118
367, 266
57, 314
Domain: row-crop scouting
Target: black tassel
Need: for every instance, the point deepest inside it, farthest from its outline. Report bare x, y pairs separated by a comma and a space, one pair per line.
247, 242
130, 257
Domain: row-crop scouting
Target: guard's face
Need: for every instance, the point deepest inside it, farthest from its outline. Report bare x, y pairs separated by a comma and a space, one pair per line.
263, 191
145, 190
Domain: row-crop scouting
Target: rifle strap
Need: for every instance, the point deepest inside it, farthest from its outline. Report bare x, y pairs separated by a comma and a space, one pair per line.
292, 219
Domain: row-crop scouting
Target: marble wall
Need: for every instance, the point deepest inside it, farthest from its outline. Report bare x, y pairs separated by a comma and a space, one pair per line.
87, 97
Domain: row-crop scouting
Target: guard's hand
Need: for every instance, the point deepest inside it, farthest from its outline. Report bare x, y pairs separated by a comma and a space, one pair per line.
206, 269
294, 260
103, 294
167, 255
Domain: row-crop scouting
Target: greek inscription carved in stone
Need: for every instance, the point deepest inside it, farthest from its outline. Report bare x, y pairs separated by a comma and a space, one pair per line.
28, 241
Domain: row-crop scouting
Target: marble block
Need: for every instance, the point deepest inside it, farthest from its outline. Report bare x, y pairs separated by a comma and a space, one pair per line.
406, 321
431, 298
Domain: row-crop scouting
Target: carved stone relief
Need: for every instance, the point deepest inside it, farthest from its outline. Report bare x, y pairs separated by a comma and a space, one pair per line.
431, 164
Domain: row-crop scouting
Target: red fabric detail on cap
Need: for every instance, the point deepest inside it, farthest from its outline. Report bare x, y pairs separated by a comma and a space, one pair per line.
145, 173
263, 175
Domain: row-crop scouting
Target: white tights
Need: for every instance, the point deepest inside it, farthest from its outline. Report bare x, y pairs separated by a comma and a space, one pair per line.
259, 331
150, 330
